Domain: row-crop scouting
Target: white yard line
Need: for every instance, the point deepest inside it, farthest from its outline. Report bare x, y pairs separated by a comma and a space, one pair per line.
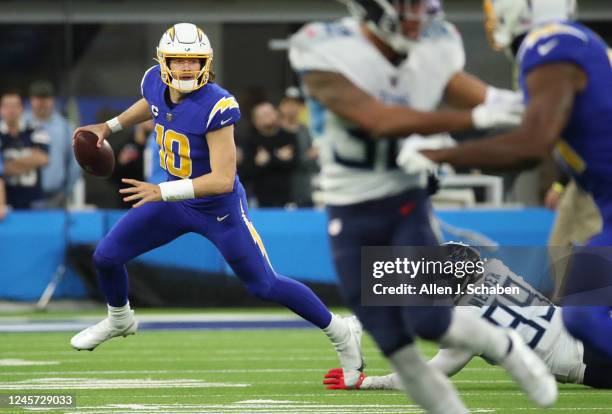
24, 363
97, 384
260, 407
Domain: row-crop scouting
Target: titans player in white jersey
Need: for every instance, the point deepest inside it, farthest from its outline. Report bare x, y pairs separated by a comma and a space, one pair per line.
370, 80
530, 314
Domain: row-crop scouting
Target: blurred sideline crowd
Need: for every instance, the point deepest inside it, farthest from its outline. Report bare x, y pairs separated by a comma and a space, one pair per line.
276, 159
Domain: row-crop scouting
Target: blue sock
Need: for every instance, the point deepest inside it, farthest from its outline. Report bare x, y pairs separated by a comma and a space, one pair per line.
592, 325
113, 280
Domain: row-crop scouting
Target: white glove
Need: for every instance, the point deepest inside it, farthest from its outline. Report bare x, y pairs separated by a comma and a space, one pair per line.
501, 108
504, 98
412, 161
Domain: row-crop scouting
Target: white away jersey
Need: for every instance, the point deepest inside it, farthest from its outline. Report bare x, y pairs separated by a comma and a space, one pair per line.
534, 317
356, 168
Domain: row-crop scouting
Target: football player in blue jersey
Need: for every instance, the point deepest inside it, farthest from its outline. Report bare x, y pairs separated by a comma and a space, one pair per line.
194, 122
566, 77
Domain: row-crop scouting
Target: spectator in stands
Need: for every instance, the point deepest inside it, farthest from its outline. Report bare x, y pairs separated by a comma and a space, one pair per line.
24, 152
272, 154
293, 115
60, 175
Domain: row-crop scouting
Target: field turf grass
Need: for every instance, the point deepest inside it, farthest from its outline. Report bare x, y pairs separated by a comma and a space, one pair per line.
236, 371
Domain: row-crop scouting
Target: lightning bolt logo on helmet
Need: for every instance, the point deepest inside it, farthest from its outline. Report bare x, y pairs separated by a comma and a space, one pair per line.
187, 41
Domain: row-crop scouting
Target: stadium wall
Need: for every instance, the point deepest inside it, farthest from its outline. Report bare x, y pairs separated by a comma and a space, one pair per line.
34, 244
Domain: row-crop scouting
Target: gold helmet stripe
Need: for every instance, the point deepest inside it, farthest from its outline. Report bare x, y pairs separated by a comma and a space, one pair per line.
170, 32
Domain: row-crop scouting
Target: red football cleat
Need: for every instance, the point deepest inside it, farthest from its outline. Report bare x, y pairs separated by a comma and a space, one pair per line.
334, 380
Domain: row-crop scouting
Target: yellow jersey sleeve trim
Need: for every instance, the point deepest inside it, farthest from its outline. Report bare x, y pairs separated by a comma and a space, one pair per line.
221, 106
552, 29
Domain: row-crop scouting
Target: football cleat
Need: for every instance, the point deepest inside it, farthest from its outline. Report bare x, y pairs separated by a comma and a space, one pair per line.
349, 352
89, 338
530, 372
334, 380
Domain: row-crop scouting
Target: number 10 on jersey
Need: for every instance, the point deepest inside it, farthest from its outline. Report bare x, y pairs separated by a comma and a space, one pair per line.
171, 144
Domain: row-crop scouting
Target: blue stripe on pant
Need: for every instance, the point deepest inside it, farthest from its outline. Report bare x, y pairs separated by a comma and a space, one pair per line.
155, 224
402, 220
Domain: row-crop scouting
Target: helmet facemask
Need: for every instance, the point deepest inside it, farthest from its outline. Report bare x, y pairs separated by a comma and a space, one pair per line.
386, 19
182, 80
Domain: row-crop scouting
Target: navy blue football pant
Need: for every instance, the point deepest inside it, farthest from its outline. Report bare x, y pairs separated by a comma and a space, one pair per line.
587, 301
225, 222
402, 220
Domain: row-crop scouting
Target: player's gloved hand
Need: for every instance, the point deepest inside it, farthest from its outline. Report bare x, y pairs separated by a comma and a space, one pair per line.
334, 380
505, 98
501, 108
412, 161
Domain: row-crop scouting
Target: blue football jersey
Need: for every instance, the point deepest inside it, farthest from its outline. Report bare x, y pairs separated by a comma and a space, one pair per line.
181, 129
585, 148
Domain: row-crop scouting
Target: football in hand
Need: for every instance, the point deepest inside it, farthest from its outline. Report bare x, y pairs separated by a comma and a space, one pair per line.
96, 161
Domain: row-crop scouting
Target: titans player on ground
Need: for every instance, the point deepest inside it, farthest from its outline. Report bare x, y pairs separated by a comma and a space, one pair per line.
194, 125
566, 77
532, 315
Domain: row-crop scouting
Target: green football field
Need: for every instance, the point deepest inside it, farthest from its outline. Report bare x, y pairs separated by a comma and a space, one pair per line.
234, 371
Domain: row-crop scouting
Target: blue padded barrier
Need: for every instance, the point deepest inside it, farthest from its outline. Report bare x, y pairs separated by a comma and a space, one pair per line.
32, 244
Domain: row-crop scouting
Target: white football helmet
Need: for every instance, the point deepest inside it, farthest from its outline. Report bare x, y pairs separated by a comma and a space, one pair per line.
385, 17
505, 20
185, 40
